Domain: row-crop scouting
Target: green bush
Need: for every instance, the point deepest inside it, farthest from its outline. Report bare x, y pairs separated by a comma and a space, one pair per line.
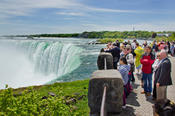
30, 103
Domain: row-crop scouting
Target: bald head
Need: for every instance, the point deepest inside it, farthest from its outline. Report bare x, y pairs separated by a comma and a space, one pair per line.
163, 54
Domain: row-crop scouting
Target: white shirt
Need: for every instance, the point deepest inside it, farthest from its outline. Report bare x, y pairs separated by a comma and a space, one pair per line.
133, 45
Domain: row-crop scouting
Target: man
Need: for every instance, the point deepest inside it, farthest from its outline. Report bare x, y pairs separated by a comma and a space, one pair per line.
116, 55
117, 43
147, 60
163, 76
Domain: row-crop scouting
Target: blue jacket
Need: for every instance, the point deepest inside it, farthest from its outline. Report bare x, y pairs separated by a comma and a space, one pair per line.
124, 70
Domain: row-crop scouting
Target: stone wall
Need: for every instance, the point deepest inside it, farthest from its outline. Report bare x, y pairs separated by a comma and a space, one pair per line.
114, 95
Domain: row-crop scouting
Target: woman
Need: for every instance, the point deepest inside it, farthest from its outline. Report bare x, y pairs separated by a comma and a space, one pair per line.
124, 69
139, 51
130, 59
155, 66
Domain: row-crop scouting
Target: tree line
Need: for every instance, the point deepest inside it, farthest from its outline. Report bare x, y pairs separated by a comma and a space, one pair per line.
106, 34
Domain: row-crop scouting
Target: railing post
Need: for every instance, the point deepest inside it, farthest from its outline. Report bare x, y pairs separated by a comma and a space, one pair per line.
105, 67
103, 109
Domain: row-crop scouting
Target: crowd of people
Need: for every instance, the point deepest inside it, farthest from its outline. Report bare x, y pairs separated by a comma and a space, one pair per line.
151, 63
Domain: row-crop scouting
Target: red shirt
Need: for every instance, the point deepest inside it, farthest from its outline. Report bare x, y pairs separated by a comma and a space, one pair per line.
147, 62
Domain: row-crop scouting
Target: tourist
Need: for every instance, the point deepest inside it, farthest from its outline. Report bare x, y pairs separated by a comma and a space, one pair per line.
155, 66
172, 49
168, 46
123, 52
139, 52
153, 45
156, 46
133, 47
122, 46
147, 60
129, 43
130, 60
145, 44
163, 76
109, 46
116, 55
133, 44
117, 43
124, 70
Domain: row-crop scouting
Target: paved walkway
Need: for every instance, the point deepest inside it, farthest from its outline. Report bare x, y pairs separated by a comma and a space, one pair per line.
140, 105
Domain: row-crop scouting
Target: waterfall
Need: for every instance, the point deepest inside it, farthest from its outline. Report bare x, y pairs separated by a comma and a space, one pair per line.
36, 62
51, 57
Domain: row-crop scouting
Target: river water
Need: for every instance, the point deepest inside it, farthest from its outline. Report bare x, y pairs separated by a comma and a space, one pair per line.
25, 62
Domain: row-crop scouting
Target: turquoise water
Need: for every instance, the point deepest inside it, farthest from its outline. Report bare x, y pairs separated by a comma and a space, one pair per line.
25, 62
46, 60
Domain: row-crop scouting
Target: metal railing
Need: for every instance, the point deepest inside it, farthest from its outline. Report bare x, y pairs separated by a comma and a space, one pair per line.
103, 108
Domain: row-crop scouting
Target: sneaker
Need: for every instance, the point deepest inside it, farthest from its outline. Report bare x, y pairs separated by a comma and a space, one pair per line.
124, 107
142, 92
148, 94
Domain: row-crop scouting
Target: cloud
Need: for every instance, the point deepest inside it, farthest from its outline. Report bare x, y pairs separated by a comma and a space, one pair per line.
11, 8
27, 7
128, 27
15, 29
71, 13
110, 10
72, 9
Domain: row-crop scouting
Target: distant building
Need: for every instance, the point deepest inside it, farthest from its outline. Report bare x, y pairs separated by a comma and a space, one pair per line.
164, 34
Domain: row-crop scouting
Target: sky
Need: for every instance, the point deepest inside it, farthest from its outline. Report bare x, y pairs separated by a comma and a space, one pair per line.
76, 16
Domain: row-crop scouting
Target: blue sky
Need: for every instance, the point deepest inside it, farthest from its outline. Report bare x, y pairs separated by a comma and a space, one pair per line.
69, 16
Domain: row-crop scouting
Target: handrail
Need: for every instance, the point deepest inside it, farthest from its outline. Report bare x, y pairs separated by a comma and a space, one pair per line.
105, 67
102, 110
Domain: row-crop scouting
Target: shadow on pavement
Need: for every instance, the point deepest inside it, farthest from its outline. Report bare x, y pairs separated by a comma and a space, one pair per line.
129, 111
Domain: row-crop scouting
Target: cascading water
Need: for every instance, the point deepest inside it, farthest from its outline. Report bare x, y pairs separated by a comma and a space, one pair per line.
49, 59
46, 60
52, 57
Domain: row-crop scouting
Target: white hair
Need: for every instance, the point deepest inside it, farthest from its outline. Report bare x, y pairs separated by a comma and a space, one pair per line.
164, 51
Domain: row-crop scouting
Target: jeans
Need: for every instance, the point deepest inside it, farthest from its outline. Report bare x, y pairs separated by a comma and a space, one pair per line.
147, 82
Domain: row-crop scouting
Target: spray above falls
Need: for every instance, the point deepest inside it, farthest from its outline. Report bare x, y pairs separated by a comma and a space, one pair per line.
48, 60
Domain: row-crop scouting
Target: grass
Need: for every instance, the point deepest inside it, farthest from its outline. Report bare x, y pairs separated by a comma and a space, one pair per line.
76, 89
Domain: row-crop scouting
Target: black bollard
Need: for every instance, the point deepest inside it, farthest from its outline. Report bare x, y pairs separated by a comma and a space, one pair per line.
105, 59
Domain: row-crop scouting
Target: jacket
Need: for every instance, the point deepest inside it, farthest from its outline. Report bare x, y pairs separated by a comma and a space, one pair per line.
147, 62
124, 70
163, 73
115, 53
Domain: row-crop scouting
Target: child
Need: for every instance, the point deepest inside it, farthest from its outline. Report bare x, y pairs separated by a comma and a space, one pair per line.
124, 69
